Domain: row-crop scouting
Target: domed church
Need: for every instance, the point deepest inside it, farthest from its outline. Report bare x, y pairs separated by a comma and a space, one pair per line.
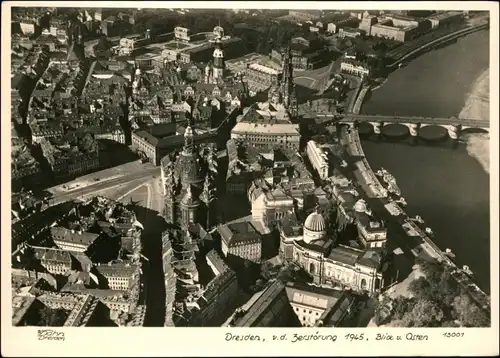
189, 184
327, 261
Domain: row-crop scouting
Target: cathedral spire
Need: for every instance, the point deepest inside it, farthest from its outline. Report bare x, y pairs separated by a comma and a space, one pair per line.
287, 83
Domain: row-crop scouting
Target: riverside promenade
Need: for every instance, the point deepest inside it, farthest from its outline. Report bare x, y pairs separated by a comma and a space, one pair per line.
373, 189
440, 41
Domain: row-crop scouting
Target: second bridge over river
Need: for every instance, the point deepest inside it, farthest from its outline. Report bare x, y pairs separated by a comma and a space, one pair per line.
453, 125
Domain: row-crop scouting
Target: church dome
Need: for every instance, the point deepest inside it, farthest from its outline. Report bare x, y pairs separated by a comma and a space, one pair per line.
315, 222
189, 170
314, 227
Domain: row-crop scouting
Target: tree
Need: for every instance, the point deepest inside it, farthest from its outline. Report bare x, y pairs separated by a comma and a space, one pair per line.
424, 314
401, 305
468, 313
287, 273
419, 287
380, 47
449, 323
448, 288
431, 269
266, 270
382, 311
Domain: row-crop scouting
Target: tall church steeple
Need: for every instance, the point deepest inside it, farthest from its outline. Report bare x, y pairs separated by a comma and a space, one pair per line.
287, 86
218, 58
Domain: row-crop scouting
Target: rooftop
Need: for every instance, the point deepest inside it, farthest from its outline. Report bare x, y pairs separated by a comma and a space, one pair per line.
262, 68
52, 254
217, 286
345, 254
239, 233
117, 269
214, 259
262, 305
312, 296
20, 305
60, 234
264, 128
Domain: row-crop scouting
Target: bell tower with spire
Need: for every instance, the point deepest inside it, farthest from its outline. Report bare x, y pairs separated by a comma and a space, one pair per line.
287, 84
218, 61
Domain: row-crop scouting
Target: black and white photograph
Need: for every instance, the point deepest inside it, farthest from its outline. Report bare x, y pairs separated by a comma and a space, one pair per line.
235, 168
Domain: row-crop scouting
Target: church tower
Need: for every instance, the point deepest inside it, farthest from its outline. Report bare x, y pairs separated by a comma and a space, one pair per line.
219, 65
209, 197
287, 84
188, 148
274, 91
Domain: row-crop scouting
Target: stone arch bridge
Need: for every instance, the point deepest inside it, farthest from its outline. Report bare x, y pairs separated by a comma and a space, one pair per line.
454, 126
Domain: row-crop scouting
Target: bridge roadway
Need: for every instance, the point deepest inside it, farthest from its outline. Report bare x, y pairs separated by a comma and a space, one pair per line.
350, 118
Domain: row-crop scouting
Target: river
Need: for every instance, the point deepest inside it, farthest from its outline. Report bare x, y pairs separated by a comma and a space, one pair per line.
447, 187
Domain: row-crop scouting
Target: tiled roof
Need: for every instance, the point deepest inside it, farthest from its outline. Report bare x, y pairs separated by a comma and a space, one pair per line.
239, 233
65, 235
345, 255
214, 259
262, 305
218, 284
312, 296
371, 258
117, 269
54, 255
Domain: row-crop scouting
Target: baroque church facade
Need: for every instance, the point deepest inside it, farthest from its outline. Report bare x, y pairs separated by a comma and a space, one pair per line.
328, 261
189, 184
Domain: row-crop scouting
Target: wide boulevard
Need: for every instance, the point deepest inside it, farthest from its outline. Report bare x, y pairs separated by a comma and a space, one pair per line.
105, 180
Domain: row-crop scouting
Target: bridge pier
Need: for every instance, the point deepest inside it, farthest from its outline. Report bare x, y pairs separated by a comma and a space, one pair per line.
413, 129
377, 127
454, 131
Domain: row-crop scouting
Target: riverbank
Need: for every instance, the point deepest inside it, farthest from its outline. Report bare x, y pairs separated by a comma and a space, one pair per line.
477, 106
447, 187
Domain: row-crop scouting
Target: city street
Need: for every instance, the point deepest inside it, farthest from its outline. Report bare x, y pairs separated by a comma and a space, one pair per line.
104, 182
146, 194
148, 198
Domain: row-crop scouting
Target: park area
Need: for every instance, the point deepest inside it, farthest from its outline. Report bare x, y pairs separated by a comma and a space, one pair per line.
428, 297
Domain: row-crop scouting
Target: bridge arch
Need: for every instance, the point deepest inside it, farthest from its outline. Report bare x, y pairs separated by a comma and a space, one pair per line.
473, 130
432, 131
393, 130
